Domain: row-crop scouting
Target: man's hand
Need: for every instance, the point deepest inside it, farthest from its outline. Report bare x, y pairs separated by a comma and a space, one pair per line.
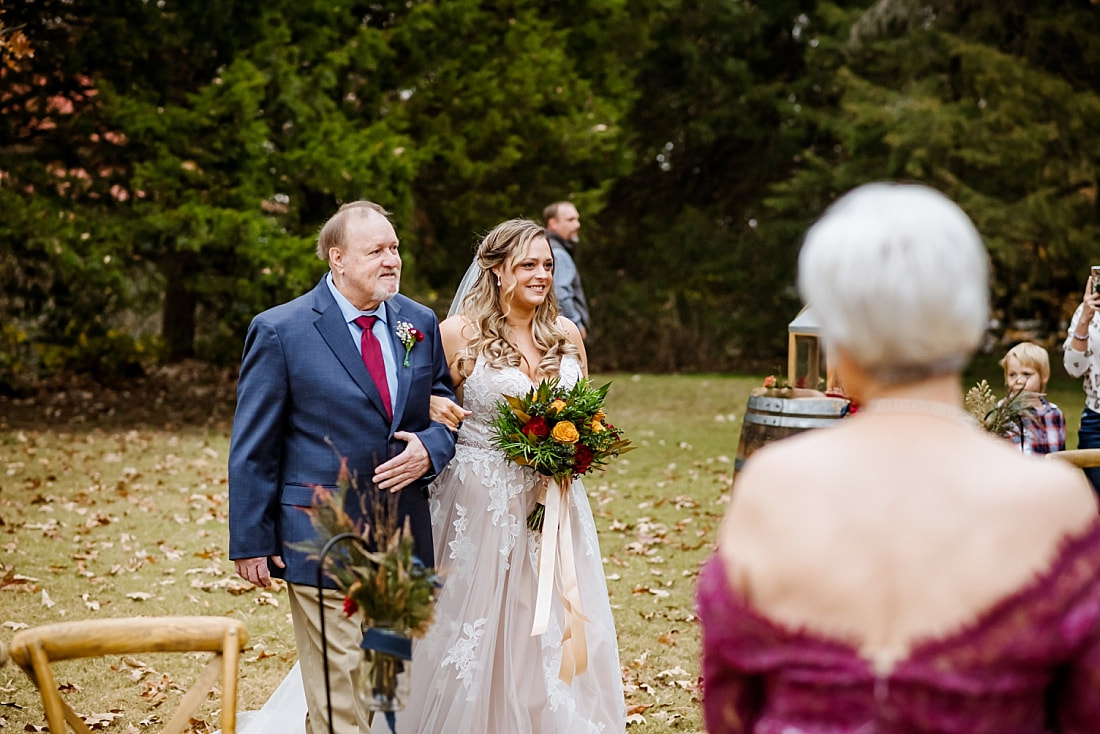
406, 467
254, 570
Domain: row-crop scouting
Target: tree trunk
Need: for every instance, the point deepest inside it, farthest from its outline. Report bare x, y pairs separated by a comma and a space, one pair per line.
180, 300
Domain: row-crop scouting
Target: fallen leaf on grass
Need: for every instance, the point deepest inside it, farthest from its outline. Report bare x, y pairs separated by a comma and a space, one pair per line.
98, 722
262, 655
233, 585
50, 529
267, 599
171, 553
139, 595
640, 589
46, 600
156, 691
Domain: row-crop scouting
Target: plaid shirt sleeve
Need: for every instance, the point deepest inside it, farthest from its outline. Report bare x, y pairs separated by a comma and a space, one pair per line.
1044, 430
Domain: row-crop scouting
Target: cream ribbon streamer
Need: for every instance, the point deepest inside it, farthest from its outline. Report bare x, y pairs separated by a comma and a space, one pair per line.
557, 540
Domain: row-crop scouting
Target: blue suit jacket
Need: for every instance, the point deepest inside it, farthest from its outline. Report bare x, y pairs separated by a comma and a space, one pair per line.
303, 385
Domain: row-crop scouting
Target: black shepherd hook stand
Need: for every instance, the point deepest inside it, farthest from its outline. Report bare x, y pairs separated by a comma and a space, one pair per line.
321, 605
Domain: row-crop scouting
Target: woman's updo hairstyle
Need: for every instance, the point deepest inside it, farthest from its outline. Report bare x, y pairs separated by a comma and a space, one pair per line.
899, 277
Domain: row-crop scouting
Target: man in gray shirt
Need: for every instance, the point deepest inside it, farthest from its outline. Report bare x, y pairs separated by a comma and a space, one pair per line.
562, 225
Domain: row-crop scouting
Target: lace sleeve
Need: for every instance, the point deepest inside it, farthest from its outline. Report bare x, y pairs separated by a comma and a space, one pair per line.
731, 694
1078, 705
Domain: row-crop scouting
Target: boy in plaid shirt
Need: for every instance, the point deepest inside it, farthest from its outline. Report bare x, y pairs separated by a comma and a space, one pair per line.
1027, 369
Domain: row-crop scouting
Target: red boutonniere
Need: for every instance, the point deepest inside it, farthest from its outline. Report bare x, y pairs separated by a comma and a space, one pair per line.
409, 336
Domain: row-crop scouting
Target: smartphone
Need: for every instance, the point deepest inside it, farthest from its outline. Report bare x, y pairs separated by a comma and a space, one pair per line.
1095, 279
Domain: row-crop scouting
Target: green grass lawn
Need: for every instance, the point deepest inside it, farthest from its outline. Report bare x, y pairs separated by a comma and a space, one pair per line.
115, 505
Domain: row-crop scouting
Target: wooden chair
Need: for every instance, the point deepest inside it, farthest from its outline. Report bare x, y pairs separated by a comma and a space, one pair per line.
34, 649
1081, 458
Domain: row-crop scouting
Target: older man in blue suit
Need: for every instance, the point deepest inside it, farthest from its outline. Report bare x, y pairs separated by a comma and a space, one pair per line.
325, 376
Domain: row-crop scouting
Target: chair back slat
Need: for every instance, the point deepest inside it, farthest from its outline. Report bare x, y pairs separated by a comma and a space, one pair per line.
36, 648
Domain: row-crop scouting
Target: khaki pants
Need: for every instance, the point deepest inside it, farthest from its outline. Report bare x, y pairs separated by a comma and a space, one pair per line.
343, 635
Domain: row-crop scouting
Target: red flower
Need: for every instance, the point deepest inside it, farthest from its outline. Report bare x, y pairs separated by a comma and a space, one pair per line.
418, 335
350, 606
582, 459
769, 381
536, 428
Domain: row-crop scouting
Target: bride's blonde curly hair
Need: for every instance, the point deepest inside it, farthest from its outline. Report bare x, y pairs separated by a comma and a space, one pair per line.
485, 305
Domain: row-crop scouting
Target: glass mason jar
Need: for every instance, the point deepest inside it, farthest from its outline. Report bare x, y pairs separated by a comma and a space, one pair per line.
385, 668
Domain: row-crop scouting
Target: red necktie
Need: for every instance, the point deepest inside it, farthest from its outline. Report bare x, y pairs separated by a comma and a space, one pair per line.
372, 358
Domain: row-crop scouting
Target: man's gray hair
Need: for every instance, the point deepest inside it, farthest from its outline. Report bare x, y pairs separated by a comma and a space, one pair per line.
333, 232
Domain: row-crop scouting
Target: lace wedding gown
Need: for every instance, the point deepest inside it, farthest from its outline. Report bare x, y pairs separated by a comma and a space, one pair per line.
479, 669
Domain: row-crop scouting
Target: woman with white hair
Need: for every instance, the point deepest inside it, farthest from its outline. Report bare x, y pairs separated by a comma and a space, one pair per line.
903, 571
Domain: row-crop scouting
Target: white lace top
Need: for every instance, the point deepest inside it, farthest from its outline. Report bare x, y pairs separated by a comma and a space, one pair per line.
483, 389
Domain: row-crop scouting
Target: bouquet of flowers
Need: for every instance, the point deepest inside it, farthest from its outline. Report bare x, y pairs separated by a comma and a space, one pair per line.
560, 433
1001, 417
381, 579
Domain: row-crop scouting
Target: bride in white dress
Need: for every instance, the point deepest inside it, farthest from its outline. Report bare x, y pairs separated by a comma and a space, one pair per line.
479, 669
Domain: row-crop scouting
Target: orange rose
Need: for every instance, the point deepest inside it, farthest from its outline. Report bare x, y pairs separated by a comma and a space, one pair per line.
597, 427
557, 405
600, 415
565, 432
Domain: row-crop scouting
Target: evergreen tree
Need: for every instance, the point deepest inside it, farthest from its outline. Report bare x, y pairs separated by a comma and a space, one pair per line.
185, 166
995, 105
688, 266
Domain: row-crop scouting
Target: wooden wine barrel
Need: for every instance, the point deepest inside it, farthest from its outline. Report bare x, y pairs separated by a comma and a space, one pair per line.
769, 418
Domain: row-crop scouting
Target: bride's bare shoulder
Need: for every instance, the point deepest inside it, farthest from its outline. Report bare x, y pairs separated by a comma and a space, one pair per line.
457, 326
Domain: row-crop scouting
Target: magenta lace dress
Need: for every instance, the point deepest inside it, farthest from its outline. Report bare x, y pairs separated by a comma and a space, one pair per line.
1029, 665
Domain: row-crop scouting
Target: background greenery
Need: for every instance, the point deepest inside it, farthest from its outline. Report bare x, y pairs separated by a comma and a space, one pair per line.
165, 165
